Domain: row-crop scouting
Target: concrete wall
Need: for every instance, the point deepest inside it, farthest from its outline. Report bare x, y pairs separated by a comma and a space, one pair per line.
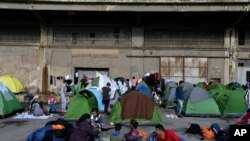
23, 63
216, 69
44, 59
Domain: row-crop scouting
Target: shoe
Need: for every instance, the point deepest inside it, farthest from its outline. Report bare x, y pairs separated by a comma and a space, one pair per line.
180, 116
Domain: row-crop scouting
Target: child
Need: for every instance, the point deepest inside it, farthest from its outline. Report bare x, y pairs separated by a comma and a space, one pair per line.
116, 136
52, 102
96, 119
133, 134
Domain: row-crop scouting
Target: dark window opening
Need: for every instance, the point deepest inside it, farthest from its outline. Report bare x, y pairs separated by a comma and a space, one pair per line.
117, 30
241, 36
215, 80
116, 33
248, 76
240, 64
92, 35
74, 38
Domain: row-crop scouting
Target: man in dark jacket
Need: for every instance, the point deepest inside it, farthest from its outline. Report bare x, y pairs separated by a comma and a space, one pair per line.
180, 98
106, 97
83, 130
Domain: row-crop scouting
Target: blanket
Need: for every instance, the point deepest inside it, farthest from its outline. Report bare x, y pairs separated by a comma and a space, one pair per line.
28, 116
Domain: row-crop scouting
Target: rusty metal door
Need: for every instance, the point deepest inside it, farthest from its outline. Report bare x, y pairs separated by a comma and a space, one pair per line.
172, 68
195, 70
184, 68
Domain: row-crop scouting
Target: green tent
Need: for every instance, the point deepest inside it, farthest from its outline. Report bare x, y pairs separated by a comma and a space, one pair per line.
216, 86
78, 87
233, 85
200, 103
8, 102
116, 111
230, 102
169, 94
215, 92
81, 103
203, 85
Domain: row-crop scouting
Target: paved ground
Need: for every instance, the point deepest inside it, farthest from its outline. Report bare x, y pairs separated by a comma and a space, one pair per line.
17, 130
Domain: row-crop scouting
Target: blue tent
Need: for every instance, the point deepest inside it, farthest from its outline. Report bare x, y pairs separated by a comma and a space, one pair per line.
144, 90
98, 96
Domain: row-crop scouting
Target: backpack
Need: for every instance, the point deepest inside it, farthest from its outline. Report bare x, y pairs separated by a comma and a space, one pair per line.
216, 129
39, 134
194, 129
223, 135
64, 133
47, 133
207, 133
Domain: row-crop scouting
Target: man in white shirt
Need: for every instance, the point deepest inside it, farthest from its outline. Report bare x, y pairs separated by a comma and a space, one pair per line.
246, 117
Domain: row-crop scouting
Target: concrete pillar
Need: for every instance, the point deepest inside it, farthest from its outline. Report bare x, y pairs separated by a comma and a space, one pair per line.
49, 52
235, 55
43, 84
230, 66
136, 66
137, 36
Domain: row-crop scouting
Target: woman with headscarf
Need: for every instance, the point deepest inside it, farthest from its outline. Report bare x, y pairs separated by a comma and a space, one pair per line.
36, 107
63, 94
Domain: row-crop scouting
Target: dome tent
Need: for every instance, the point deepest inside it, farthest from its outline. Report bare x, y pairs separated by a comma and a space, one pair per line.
9, 103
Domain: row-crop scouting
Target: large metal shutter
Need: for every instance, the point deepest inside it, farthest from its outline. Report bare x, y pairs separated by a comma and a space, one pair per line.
184, 68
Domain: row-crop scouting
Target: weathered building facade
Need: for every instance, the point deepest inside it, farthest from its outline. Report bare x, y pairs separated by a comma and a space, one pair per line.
202, 40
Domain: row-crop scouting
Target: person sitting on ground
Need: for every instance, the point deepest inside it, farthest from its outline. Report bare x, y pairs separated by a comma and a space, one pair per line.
96, 119
52, 103
36, 107
116, 135
83, 130
165, 135
133, 134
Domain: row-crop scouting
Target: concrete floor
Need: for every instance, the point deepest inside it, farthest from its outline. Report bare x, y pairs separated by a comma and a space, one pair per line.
18, 130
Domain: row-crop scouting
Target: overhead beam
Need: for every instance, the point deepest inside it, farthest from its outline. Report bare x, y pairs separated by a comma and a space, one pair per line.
135, 7
132, 1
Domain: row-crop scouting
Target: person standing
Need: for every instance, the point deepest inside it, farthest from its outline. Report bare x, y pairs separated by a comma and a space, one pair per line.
63, 94
246, 117
133, 83
106, 97
180, 98
52, 102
